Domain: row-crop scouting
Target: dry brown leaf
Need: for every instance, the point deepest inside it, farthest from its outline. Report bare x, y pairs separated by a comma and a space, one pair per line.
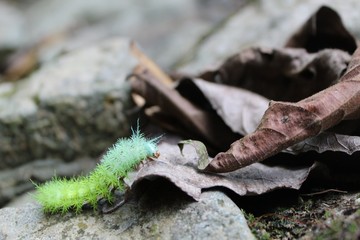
182, 172
190, 120
328, 141
285, 124
281, 74
240, 109
324, 29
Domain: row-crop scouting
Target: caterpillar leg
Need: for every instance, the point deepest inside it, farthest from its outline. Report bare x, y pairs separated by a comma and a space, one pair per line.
106, 208
147, 160
156, 155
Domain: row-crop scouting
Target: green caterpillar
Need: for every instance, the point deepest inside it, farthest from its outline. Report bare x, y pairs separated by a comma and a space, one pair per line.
62, 195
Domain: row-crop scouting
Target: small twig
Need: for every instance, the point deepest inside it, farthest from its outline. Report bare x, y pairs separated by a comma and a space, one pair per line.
322, 192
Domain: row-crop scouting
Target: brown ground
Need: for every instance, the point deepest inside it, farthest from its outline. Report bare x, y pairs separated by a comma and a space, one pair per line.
290, 215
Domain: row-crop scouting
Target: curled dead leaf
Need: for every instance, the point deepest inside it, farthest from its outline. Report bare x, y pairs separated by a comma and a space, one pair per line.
285, 124
182, 172
200, 148
286, 74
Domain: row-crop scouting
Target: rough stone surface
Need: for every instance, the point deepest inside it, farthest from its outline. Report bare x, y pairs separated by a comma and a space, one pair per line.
165, 29
170, 216
264, 23
74, 106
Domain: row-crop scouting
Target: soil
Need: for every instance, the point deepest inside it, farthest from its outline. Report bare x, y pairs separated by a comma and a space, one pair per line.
322, 214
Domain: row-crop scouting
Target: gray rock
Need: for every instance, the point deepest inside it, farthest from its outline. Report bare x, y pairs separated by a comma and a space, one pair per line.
12, 24
72, 107
263, 23
172, 216
165, 29
23, 200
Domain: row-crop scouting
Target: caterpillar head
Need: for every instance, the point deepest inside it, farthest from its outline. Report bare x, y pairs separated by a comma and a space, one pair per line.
151, 148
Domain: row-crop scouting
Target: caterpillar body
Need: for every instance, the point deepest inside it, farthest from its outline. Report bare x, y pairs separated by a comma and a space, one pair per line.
61, 195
